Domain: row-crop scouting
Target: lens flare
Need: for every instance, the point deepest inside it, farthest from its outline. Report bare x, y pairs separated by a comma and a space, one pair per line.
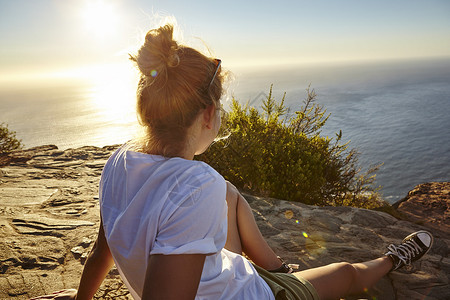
305, 234
153, 73
297, 221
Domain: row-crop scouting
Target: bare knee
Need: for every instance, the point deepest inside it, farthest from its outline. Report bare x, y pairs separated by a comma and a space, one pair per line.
357, 284
348, 269
332, 281
351, 273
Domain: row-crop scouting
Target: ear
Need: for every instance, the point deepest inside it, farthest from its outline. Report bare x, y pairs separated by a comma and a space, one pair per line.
208, 116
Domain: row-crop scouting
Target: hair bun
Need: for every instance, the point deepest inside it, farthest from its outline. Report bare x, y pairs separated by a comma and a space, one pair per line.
159, 51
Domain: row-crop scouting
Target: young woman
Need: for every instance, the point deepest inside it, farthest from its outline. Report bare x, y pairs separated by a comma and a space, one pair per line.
174, 228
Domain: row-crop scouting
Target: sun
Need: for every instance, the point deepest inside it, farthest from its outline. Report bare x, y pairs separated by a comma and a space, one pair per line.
100, 17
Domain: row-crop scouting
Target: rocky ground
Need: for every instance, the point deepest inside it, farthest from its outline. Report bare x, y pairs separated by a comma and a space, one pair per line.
49, 219
428, 203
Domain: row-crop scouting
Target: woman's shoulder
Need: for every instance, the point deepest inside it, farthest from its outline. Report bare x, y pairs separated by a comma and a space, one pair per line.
192, 183
183, 170
198, 171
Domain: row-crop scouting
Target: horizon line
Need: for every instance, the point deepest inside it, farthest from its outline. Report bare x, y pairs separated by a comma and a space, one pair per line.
83, 71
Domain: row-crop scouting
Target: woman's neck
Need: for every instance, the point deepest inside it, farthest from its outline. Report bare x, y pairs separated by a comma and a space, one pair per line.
186, 153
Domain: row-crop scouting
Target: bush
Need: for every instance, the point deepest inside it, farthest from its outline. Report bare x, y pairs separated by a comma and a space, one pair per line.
281, 154
8, 140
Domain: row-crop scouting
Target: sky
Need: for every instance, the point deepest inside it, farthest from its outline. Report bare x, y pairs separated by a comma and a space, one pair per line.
67, 37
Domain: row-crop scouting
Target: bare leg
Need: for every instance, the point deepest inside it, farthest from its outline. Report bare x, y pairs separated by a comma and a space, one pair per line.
243, 233
331, 282
340, 279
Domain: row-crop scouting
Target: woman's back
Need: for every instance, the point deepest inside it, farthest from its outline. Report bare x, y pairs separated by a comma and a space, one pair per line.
155, 205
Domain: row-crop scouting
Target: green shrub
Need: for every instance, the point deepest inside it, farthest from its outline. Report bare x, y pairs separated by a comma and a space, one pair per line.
8, 140
281, 154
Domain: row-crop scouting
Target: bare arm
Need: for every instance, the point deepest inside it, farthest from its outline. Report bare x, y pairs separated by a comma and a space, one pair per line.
243, 233
96, 268
173, 276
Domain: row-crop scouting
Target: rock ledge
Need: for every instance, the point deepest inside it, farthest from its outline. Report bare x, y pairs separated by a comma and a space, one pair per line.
49, 219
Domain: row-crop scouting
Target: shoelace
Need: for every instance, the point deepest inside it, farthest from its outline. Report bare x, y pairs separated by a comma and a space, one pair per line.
405, 251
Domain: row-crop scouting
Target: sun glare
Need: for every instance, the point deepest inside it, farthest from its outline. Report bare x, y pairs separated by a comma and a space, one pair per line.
100, 17
113, 91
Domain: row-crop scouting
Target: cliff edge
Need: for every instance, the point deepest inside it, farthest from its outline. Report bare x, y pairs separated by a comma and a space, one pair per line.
428, 204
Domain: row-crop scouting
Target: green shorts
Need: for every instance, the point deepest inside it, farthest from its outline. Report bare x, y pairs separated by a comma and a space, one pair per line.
287, 286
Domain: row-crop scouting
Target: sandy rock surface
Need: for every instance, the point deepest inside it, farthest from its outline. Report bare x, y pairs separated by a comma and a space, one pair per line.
428, 203
49, 218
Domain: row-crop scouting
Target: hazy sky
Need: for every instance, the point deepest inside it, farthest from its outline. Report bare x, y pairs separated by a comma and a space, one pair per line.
39, 36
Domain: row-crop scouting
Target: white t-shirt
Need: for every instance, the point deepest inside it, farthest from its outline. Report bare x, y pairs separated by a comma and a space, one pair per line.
156, 205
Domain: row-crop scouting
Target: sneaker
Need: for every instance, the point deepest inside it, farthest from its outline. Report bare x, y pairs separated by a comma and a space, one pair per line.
413, 247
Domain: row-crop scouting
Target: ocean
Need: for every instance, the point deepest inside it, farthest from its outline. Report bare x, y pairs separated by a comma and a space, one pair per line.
393, 112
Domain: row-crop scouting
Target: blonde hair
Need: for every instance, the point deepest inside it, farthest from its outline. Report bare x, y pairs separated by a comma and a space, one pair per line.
175, 84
